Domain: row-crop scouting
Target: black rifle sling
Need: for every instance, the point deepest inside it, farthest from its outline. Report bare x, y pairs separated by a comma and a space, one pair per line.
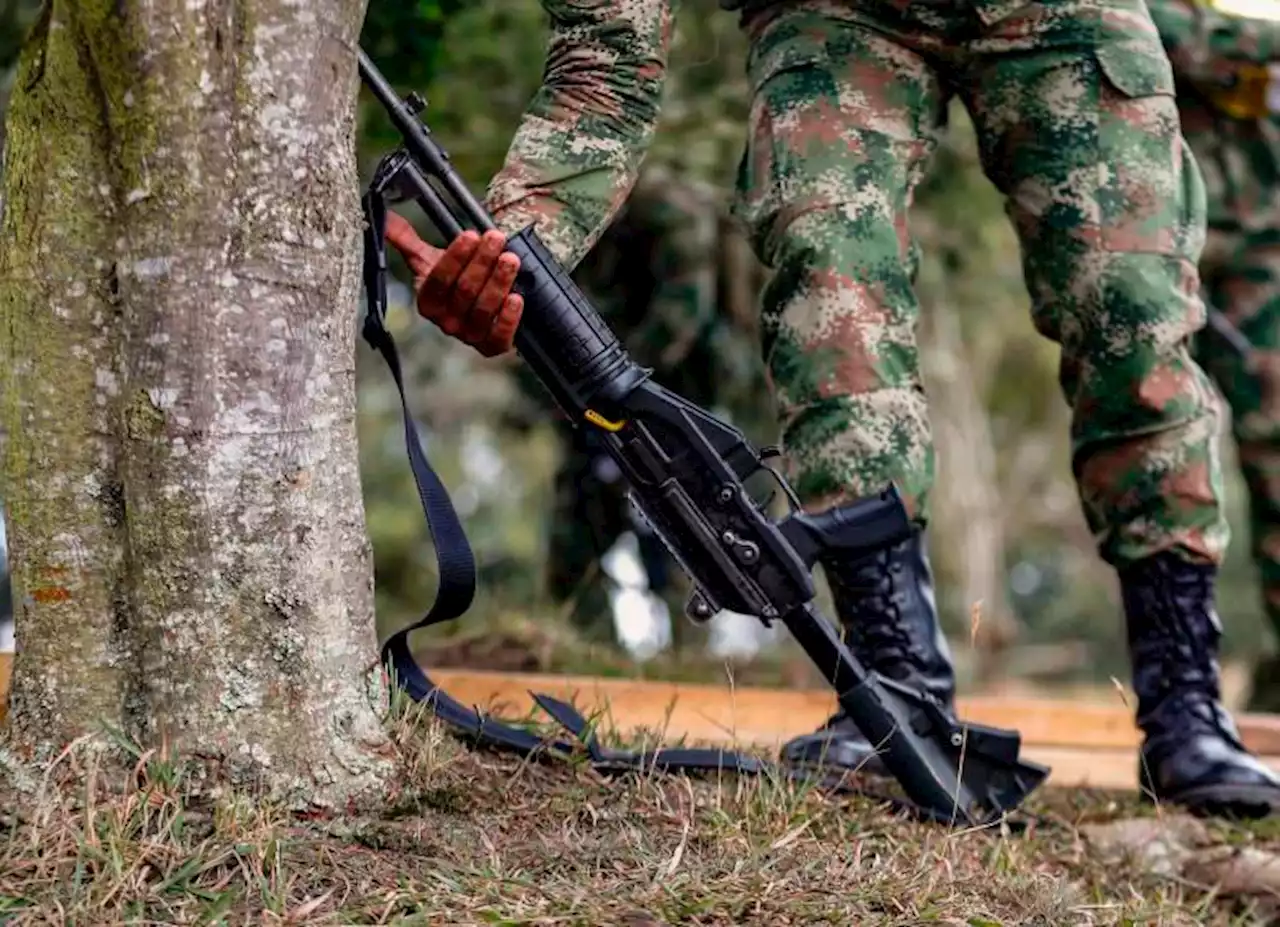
456, 590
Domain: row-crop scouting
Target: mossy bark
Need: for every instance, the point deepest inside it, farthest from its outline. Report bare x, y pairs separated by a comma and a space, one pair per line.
178, 280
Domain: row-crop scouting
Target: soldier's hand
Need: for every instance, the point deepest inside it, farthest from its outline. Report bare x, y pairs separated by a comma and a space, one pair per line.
466, 288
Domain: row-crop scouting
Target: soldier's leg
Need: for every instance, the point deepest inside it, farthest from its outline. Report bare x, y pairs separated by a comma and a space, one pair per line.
842, 123
1245, 287
1075, 110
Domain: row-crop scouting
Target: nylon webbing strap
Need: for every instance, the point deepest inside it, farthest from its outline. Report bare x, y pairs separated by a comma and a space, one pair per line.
456, 589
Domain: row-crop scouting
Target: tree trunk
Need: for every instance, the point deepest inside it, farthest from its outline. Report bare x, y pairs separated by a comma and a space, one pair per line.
178, 280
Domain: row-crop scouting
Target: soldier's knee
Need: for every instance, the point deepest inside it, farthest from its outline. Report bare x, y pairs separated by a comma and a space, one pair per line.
1125, 329
844, 253
840, 293
1140, 305
844, 233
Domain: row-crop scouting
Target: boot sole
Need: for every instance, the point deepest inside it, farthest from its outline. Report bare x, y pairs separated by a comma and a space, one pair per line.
1232, 802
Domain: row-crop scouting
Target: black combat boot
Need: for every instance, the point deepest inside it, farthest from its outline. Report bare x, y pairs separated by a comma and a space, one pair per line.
885, 604
1191, 755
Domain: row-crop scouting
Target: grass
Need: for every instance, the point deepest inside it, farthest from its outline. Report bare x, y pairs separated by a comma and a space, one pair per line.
480, 838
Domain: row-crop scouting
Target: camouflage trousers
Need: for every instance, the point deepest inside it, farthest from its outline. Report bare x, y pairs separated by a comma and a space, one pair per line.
1241, 272
1073, 102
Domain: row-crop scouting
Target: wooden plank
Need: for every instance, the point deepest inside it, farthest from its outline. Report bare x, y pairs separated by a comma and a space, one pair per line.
1074, 767
1087, 746
764, 716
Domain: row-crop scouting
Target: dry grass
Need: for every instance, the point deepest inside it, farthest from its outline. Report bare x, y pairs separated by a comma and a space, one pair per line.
477, 838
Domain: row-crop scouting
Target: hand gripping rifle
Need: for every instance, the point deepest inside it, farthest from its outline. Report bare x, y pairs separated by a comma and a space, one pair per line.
688, 475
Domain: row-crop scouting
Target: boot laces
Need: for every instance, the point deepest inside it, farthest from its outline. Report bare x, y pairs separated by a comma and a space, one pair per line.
1177, 673
876, 632
868, 604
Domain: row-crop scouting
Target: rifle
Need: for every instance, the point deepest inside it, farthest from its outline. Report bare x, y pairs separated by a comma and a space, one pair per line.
688, 474
1231, 336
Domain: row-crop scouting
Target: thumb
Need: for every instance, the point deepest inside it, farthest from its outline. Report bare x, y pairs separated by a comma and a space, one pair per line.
420, 256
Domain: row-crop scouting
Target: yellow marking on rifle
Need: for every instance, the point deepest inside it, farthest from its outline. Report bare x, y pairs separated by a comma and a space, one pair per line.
596, 418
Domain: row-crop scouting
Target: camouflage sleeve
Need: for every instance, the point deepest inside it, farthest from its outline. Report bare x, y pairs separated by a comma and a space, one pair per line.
578, 148
1205, 41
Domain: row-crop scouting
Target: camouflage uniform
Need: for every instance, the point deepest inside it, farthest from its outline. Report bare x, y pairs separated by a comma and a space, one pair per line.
848, 100
1220, 65
1073, 101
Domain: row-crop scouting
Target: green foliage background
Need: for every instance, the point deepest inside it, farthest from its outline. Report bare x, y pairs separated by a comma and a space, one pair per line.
477, 62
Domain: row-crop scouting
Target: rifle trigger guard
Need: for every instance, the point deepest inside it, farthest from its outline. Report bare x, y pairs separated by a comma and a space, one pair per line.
387, 177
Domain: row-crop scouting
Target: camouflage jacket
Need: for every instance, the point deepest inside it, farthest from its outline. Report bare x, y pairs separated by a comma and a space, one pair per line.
1220, 57
577, 151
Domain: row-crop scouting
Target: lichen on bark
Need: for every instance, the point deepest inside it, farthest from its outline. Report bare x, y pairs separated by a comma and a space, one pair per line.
218, 256
62, 494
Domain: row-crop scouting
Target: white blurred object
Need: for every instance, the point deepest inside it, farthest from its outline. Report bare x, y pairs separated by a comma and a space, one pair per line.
6, 636
641, 620
733, 634
622, 563
485, 465
1025, 578
1248, 9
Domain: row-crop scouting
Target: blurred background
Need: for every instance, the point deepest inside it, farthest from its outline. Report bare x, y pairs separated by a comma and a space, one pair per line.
1013, 556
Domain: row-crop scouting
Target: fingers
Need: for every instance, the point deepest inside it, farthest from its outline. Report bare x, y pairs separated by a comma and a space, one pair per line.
468, 319
420, 256
488, 305
435, 300
502, 335
477, 273
466, 288
469, 291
